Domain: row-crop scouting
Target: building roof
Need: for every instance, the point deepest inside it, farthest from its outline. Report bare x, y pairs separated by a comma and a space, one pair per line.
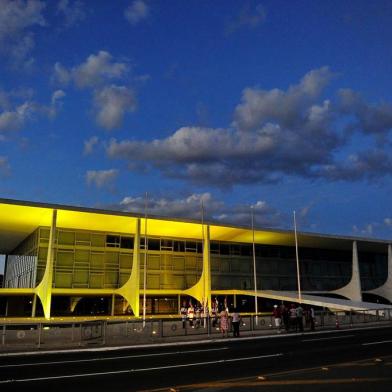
18, 219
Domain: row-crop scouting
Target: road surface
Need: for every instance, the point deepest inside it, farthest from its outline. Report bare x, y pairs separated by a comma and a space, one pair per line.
242, 364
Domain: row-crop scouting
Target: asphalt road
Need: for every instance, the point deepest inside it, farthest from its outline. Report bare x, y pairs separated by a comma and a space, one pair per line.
228, 365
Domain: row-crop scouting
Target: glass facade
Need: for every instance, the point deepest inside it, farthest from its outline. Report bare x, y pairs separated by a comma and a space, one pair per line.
373, 269
84, 259
321, 269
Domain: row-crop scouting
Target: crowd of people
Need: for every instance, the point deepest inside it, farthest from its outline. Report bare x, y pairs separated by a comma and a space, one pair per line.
292, 318
198, 315
286, 318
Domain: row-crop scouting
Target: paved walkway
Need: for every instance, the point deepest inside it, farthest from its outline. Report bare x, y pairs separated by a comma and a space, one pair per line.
179, 340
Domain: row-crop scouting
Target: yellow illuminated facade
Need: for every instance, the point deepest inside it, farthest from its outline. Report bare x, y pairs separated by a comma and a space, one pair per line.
60, 256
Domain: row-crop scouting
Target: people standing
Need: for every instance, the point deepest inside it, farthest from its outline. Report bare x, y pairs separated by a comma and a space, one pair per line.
300, 313
277, 317
312, 318
198, 314
235, 321
293, 317
191, 314
184, 313
214, 313
224, 323
285, 317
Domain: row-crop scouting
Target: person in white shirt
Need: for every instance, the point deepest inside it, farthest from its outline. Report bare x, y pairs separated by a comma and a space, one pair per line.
235, 321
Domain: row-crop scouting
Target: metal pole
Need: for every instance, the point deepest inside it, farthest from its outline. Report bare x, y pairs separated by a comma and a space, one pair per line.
297, 259
145, 262
202, 252
254, 262
39, 327
3, 335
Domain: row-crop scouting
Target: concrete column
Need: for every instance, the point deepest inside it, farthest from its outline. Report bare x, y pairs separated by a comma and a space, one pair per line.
131, 288
353, 289
201, 291
34, 307
44, 289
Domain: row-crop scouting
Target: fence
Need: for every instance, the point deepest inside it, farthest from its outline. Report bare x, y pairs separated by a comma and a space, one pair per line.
107, 332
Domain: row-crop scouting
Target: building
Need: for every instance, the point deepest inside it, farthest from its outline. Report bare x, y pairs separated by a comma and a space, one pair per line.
63, 260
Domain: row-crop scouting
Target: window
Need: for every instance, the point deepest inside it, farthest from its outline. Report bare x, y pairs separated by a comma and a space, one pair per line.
113, 241
224, 249
166, 244
153, 244
190, 246
126, 243
214, 247
179, 246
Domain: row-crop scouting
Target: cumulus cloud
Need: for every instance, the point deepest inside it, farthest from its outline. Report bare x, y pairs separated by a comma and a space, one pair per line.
96, 70
289, 108
369, 164
11, 120
73, 12
367, 230
274, 133
15, 110
375, 120
112, 103
190, 207
16, 20
101, 178
247, 17
388, 222
90, 144
136, 12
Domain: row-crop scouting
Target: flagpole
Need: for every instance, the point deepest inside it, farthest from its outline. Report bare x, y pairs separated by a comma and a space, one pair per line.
297, 259
202, 249
254, 261
145, 261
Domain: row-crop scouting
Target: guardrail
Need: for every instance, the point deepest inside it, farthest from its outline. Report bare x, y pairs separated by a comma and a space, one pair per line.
67, 334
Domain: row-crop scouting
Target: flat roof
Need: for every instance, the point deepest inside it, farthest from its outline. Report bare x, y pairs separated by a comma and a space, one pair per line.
19, 218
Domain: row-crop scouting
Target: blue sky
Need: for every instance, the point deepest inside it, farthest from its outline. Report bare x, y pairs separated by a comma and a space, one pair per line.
284, 105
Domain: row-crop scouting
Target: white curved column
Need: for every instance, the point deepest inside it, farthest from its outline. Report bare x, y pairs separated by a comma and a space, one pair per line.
353, 289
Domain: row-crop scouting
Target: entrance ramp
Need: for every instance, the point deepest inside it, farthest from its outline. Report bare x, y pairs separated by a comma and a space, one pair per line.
335, 304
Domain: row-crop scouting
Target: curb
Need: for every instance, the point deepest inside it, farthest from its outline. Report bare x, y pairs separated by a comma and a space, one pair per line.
184, 342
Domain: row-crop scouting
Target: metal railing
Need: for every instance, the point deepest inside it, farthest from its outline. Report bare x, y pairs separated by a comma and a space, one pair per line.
66, 334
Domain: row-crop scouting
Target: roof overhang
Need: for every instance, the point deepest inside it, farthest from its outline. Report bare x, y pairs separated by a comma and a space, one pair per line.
18, 219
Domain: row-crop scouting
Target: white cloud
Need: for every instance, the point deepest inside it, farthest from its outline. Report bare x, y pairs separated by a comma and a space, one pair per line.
388, 222
95, 71
61, 74
15, 119
101, 178
190, 207
112, 103
137, 12
90, 144
275, 133
247, 17
16, 18
366, 230
13, 116
73, 12
288, 108
57, 96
